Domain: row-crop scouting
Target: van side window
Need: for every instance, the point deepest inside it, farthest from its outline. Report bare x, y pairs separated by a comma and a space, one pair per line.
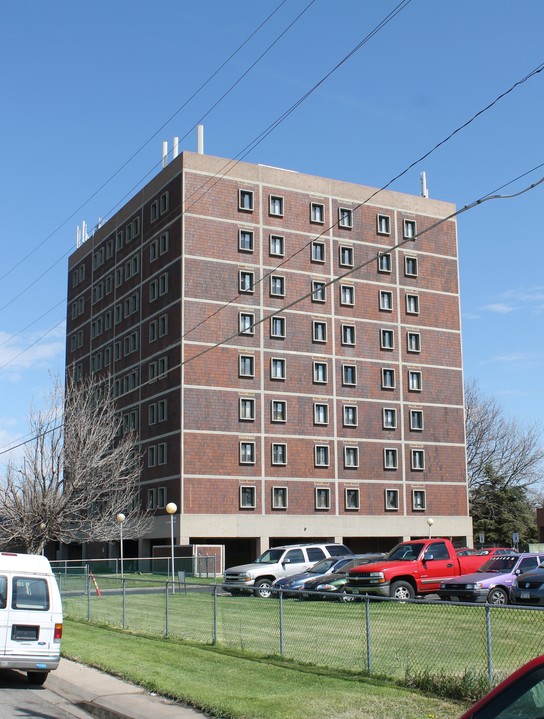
30, 593
3, 592
315, 554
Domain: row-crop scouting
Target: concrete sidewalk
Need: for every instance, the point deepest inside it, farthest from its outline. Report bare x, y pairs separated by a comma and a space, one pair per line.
104, 696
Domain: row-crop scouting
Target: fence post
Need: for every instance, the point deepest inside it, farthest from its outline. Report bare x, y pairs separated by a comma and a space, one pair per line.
166, 611
489, 649
215, 590
367, 623
88, 583
124, 584
281, 621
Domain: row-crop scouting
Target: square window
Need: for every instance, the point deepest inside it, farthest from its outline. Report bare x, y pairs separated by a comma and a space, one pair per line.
245, 240
317, 213
348, 335
245, 281
383, 224
352, 498
279, 454
322, 498
416, 420
246, 321
345, 218
384, 263
388, 378
245, 200
412, 304
350, 415
414, 342
417, 459
319, 291
247, 497
277, 327
247, 409
319, 331
345, 256
318, 251
277, 286
347, 295
386, 300
410, 266
387, 339
390, 458
351, 457
409, 230
415, 380
321, 455
349, 375
277, 245
391, 499
276, 205
418, 499
247, 452
321, 413
278, 410
389, 418
279, 497
246, 367
277, 368
320, 372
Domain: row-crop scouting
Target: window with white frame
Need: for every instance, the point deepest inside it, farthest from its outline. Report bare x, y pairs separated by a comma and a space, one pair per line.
317, 213
161, 497
277, 286
391, 499
389, 418
246, 366
278, 410
351, 498
414, 342
276, 205
349, 375
247, 452
245, 281
247, 497
351, 457
163, 325
279, 453
318, 251
390, 458
246, 321
319, 331
412, 304
322, 498
277, 245
162, 453
415, 380
418, 499
152, 456
388, 378
320, 372
321, 413
386, 300
277, 327
383, 224
384, 263
345, 256
348, 335
245, 200
319, 291
350, 415
387, 339
347, 295
345, 218
279, 497
410, 266
321, 455
417, 459
409, 229
152, 499
245, 240
277, 368
247, 409
416, 420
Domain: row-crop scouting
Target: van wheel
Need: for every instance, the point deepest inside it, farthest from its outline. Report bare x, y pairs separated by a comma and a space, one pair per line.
402, 590
263, 588
37, 678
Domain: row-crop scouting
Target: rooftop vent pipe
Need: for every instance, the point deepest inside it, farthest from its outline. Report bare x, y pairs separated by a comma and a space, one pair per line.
200, 142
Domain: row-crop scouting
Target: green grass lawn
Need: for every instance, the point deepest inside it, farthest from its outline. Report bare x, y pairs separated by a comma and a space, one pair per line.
227, 683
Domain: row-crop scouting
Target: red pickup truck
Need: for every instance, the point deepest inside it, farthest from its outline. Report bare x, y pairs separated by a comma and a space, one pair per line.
415, 567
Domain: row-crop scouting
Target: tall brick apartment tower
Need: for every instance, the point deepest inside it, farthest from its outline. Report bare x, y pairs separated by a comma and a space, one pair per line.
291, 374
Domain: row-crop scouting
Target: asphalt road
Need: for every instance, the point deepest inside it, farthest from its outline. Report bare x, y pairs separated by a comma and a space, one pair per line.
19, 699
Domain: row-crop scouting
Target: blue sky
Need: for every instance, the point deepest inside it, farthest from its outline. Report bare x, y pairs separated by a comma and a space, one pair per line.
85, 85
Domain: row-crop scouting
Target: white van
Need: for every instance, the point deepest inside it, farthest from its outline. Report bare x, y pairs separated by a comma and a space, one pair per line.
30, 615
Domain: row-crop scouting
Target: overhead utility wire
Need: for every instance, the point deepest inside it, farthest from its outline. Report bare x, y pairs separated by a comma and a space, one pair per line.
134, 154
466, 208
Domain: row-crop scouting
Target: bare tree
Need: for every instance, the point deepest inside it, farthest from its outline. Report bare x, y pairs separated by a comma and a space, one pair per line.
511, 448
77, 474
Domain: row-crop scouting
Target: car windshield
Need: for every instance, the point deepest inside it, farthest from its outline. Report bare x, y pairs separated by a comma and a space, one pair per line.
499, 564
271, 556
323, 566
405, 552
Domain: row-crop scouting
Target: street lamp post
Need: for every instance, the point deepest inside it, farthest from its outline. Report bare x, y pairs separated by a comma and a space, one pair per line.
121, 518
430, 522
171, 509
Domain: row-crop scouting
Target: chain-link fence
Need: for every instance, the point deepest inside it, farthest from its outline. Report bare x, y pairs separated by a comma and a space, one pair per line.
373, 636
